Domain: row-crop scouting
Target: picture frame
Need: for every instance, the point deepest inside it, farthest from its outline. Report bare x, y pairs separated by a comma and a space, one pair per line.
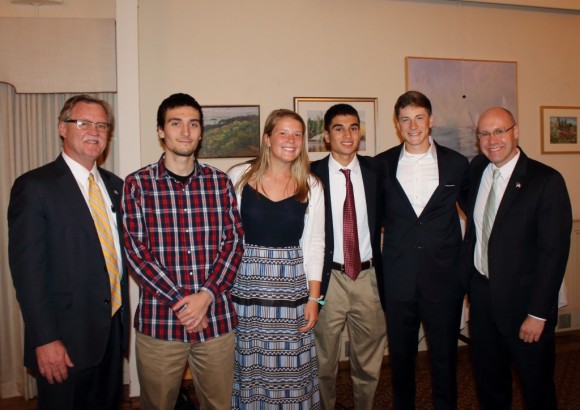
230, 131
459, 91
559, 129
312, 110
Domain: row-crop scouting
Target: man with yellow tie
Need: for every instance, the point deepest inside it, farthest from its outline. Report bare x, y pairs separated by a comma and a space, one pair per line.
67, 266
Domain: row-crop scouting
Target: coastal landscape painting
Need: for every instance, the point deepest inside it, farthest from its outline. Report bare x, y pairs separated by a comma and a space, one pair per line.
230, 131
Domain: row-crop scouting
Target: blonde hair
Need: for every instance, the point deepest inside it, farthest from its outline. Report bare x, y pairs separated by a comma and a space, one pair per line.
300, 167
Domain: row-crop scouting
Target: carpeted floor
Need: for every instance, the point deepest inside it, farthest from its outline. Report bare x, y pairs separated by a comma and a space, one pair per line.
567, 383
567, 380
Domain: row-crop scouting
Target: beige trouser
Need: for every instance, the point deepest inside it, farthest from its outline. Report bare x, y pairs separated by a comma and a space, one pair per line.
355, 304
161, 363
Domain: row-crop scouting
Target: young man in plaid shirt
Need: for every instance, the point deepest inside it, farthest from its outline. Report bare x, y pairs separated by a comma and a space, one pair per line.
184, 242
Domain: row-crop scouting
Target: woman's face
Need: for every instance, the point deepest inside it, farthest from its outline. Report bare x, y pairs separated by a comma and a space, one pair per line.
286, 141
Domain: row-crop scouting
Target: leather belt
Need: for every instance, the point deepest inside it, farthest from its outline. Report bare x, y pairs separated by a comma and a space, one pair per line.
363, 266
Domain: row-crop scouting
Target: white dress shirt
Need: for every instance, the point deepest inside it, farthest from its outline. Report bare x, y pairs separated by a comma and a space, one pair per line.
81, 175
418, 174
506, 172
337, 182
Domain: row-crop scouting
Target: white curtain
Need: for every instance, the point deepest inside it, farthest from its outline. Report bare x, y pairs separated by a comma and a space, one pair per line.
28, 139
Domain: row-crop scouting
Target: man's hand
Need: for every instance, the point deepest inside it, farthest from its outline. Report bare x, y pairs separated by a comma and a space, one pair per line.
53, 361
531, 329
192, 311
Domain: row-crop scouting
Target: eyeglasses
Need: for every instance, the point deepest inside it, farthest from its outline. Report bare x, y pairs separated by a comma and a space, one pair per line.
496, 133
86, 125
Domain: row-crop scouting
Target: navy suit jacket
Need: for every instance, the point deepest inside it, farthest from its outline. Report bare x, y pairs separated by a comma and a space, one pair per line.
422, 252
529, 242
58, 267
371, 181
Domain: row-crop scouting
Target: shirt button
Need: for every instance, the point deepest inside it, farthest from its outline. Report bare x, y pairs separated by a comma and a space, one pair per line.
190, 273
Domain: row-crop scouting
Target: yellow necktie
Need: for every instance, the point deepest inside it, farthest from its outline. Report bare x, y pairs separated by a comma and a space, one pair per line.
99, 212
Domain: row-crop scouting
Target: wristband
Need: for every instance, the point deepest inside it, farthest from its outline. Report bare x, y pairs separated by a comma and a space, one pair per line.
317, 300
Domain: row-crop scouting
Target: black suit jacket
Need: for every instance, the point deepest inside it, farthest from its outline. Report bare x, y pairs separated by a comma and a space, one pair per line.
371, 181
529, 242
422, 252
58, 267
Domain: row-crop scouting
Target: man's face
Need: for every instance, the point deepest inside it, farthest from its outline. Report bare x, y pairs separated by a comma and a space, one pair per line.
84, 146
498, 149
344, 138
181, 132
414, 123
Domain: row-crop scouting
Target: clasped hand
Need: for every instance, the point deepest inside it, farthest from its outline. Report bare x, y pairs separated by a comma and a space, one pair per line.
191, 311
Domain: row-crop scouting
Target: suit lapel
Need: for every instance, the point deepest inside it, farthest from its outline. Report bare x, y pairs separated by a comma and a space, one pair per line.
73, 197
445, 177
512, 188
369, 177
320, 168
393, 165
113, 192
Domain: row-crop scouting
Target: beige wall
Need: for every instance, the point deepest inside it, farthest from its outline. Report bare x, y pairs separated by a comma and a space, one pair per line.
267, 52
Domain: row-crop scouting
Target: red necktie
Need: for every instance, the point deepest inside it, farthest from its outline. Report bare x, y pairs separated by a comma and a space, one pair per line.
350, 232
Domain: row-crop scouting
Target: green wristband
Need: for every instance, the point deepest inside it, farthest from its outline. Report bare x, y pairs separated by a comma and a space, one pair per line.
317, 300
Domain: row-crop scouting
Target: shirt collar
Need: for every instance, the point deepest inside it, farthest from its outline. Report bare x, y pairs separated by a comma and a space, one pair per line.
507, 170
335, 166
430, 154
161, 171
81, 173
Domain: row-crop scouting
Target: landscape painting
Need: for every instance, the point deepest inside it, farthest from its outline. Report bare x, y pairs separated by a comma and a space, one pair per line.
559, 127
460, 90
230, 131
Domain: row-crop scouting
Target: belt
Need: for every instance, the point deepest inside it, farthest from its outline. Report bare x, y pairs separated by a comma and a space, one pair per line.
363, 266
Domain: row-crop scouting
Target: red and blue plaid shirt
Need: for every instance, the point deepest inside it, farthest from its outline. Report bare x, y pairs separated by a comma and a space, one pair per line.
181, 239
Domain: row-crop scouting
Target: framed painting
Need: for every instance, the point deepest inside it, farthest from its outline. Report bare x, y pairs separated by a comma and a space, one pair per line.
460, 90
559, 130
312, 110
230, 131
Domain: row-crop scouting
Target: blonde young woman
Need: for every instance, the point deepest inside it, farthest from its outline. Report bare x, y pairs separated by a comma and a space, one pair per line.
277, 287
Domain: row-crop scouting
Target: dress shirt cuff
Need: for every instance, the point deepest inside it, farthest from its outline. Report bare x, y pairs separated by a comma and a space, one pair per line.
535, 317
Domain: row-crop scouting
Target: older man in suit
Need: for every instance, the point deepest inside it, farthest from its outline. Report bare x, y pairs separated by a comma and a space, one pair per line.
351, 273
422, 238
67, 266
519, 238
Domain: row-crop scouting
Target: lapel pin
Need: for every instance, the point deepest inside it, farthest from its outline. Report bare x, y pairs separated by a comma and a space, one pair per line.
518, 185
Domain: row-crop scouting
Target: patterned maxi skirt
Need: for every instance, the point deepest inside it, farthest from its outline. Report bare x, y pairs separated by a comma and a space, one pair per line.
275, 364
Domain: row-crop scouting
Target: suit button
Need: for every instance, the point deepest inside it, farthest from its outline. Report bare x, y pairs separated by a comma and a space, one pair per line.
107, 301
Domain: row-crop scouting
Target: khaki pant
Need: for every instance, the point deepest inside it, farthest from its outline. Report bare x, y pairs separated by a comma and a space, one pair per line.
355, 304
161, 363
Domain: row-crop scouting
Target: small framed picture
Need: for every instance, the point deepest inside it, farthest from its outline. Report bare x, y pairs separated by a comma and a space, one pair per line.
312, 110
559, 130
230, 131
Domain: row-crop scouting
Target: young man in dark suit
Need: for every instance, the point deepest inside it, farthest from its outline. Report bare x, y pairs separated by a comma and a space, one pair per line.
70, 284
351, 298
422, 237
520, 221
